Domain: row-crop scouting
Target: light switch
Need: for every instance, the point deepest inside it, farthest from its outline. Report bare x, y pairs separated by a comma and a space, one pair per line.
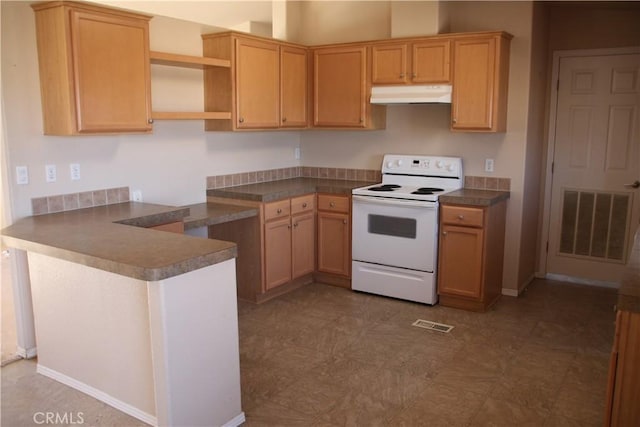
488, 165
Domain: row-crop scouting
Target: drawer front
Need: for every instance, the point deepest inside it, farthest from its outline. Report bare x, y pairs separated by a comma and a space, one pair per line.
306, 203
464, 216
333, 203
279, 209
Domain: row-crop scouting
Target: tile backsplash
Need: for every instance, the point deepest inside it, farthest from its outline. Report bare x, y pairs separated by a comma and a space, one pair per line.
487, 183
231, 180
72, 201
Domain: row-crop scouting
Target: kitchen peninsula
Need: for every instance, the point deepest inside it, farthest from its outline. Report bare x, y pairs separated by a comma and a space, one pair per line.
141, 319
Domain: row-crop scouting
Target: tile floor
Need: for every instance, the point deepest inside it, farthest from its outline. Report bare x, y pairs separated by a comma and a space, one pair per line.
325, 356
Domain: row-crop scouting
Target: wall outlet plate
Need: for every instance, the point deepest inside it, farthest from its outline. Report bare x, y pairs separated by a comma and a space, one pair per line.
488, 165
22, 175
136, 195
50, 173
74, 171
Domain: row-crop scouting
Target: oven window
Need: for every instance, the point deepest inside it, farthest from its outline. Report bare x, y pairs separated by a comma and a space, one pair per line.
392, 226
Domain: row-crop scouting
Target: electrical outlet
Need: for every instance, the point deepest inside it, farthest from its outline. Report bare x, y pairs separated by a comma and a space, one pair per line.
136, 195
488, 165
74, 171
22, 175
296, 153
50, 173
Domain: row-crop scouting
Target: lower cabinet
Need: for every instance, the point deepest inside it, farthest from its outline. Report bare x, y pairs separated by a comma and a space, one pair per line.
471, 255
334, 239
172, 227
289, 240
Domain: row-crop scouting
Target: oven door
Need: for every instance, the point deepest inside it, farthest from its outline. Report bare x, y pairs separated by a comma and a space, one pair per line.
395, 232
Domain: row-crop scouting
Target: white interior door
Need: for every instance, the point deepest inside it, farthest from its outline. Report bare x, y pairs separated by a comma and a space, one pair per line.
594, 210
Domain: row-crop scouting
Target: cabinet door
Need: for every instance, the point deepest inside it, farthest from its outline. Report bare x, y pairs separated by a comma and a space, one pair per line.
257, 84
389, 64
303, 233
460, 264
277, 252
293, 87
110, 73
334, 233
431, 62
340, 87
473, 83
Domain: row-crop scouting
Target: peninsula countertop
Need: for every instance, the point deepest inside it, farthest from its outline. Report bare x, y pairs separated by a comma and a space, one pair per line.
113, 238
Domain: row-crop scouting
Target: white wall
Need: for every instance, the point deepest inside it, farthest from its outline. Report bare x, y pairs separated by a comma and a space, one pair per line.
169, 166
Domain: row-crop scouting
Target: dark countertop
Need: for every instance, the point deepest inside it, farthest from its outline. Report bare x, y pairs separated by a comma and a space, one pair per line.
206, 214
277, 190
471, 197
629, 292
110, 238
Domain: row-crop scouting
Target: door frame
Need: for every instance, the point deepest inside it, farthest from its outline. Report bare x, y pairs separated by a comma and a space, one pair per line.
551, 146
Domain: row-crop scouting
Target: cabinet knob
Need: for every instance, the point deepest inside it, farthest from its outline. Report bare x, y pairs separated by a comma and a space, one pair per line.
284, 119
150, 121
361, 120
289, 226
295, 225
444, 233
241, 119
332, 204
344, 221
279, 211
454, 121
304, 205
402, 75
414, 75
460, 217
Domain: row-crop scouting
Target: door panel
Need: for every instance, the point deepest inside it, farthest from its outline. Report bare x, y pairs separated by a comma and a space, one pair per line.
597, 152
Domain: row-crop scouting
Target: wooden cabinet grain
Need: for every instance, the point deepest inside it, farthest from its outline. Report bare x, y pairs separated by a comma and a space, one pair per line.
265, 88
480, 82
623, 388
420, 61
289, 240
334, 238
94, 69
471, 255
341, 89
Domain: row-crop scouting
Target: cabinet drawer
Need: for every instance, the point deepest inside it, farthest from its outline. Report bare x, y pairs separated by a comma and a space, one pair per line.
277, 209
459, 215
304, 203
333, 203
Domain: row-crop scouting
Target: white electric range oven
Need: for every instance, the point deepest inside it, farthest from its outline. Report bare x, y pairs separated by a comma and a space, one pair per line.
395, 226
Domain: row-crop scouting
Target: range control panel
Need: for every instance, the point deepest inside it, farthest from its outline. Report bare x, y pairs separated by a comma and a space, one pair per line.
422, 165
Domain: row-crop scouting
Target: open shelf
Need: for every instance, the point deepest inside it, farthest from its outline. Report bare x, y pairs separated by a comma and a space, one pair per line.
204, 115
187, 61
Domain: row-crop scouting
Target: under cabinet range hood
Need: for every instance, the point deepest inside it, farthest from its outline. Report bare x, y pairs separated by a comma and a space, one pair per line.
411, 94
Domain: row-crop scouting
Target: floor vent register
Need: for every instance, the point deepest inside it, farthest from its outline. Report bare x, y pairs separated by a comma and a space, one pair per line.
426, 324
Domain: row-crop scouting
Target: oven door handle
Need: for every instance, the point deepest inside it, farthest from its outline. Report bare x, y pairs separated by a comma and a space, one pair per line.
395, 202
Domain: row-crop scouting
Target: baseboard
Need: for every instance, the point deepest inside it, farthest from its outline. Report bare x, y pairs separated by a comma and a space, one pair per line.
98, 394
510, 292
28, 353
235, 421
580, 281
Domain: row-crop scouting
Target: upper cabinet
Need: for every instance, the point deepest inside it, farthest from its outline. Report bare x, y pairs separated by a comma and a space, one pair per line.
94, 69
480, 82
341, 89
265, 88
421, 61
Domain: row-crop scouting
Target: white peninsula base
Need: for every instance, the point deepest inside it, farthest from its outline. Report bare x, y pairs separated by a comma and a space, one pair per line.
165, 352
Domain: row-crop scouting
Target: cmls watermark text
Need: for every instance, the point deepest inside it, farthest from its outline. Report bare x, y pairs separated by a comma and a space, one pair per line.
52, 418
